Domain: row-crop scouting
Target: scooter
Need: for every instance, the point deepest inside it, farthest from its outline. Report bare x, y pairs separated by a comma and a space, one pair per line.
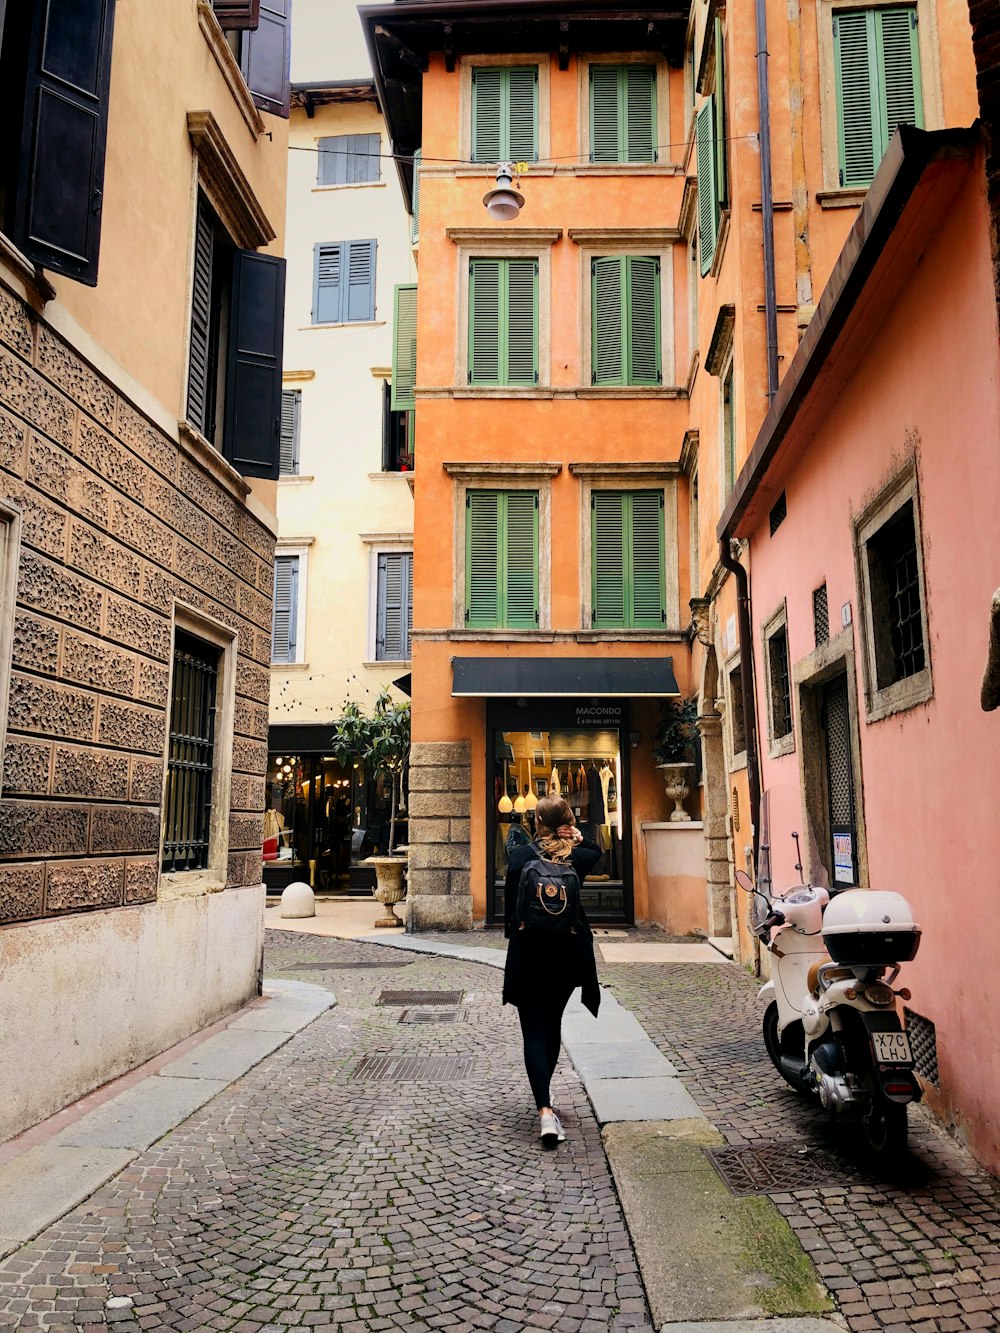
832, 1026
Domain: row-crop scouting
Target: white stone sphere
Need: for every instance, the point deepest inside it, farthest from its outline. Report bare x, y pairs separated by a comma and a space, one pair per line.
298, 900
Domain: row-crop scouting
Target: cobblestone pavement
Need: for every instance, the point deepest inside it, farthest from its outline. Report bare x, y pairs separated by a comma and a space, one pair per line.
920, 1251
303, 1197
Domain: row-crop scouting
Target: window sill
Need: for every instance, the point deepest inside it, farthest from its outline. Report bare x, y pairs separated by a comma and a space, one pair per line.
352, 185
348, 324
621, 634
781, 745
290, 666
739, 761
194, 444
294, 479
900, 697
377, 476
189, 884
547, 394
229, 66
389, 663
853, 198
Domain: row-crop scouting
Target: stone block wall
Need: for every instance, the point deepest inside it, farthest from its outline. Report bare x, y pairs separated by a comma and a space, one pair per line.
440, 889
117, 521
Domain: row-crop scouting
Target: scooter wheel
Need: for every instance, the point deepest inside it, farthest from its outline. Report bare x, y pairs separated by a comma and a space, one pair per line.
885, 1127
772, 1042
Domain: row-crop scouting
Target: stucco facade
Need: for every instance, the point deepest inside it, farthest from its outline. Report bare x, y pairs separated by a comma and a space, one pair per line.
122, 528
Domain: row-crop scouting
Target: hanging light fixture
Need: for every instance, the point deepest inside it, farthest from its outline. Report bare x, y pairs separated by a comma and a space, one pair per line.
520, 805
504, 202
505, 805
530, 799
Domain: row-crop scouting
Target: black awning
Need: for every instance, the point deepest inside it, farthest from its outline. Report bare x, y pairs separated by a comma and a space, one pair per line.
404, 684
559, 677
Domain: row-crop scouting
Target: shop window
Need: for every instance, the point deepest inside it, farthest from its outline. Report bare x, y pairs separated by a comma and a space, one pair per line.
877, 84
501, 559
285, 644
349, 159
625, 316
503, 321
505, 113
344, 282
737, 723
710, 150
622, 113
394, 606
627, 560
291, 413
397, 435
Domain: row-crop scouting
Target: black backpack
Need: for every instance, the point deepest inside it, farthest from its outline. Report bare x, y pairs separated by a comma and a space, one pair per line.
548, 897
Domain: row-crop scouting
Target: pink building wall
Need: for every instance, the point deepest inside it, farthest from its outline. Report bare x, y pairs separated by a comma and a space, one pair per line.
921, 376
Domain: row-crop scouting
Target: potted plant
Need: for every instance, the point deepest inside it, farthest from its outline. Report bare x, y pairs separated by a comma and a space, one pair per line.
675, 744
381, 741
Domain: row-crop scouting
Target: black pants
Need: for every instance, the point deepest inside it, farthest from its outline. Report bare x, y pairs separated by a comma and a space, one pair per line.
541, 1021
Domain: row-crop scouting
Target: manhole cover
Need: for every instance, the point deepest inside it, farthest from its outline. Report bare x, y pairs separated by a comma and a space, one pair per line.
389, 1067
432, 1016
341, 967
607, 934
777, 1167
448, 999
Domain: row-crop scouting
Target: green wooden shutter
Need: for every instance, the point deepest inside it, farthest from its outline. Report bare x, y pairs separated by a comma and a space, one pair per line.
501, 559
404, 347
521, 308
645, 551
608, 356
415, 230
607, 558
505, 113
857, 97
639, 119
899, 70
482, 559
487, 113
643, 320
721, 169
285, 613
708, 198
484, 321
522, 114
604, 118
520, 550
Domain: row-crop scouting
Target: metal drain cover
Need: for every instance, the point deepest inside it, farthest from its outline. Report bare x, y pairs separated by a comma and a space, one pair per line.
392, 1067
605, 933
432, 1016
777, 1167
341, 967
448, 999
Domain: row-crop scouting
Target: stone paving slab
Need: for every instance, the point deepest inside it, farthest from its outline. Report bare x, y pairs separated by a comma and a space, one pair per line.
659, 953
615, 1099
227, 1055
620, 1059
47, 1181
756, 1326
141, 1115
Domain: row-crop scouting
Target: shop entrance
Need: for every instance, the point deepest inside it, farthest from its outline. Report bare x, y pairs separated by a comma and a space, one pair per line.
574, 749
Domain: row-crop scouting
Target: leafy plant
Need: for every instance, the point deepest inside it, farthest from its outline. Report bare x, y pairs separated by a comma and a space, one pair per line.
380, 740
675, 740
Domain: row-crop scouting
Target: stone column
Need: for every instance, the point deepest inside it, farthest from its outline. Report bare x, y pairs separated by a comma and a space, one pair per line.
440, 891
720, 922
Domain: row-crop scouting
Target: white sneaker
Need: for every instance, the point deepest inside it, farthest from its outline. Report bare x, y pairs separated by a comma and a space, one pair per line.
551, 1131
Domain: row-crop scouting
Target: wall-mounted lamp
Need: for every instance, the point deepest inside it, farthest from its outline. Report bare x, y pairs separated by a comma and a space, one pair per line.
504, 202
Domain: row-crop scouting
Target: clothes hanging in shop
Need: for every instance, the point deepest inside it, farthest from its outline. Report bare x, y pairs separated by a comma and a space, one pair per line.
555, 789
595, 792
606, 779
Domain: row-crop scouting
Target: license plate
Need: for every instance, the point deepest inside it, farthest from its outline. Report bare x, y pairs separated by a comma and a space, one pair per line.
892, 1048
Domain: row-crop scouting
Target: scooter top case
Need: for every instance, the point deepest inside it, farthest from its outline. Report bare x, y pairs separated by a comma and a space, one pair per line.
870, 928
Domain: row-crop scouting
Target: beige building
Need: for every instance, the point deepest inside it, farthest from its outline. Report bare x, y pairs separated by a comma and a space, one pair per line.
141, 300
343, 573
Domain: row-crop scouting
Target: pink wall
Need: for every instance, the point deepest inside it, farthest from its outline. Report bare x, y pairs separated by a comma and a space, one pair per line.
929, 382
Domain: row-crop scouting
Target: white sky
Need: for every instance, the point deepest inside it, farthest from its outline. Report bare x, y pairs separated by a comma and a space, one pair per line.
327, 42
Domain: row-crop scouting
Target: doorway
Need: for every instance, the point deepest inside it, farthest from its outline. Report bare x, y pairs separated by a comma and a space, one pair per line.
841, 822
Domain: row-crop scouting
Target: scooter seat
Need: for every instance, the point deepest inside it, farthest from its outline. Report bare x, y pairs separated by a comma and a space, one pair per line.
812, 979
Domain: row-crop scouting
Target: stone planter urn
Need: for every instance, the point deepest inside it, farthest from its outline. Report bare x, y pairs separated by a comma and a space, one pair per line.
389, 888
677, 780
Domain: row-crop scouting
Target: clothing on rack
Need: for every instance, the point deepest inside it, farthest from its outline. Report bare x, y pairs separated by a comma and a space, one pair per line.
595, 791
555, 789
606, 779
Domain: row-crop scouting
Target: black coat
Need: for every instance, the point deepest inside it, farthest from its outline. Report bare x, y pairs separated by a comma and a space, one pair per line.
571, 962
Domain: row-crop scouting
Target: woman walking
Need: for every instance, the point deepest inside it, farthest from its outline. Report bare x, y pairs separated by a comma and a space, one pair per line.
545, 967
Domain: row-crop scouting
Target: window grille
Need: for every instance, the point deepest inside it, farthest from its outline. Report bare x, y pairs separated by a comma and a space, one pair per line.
894, 577
191, 758
821, 615
781, 694
923, 1043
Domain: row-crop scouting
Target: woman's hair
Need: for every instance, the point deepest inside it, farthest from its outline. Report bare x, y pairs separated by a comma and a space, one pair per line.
551, 813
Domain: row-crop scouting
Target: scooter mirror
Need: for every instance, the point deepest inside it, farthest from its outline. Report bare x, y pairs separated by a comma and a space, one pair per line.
744, 881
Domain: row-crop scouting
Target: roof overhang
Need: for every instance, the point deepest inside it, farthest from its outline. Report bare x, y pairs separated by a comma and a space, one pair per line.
919, 176
401, 38
563, 677
332, 92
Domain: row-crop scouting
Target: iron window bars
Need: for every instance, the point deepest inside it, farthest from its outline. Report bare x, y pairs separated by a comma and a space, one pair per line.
191, 757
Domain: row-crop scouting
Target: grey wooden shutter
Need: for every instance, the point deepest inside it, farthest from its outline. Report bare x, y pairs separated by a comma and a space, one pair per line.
285, 614
291, 408
395, 613
253, 371
265, 60
363, 159
328, 273
359, 263
237, 14
331, 155
198, 389
60, 184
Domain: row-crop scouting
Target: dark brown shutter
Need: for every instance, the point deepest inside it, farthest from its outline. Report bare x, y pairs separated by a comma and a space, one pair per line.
237, 13
266, 55
253, 372
199, 397
61, 178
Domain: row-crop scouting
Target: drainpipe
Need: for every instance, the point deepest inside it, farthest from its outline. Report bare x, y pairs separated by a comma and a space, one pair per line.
746, 682
766, 205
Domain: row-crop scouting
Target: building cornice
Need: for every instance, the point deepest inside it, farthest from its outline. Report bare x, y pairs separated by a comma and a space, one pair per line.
618, 468
512, 237
618, 236
463, 471
223, 180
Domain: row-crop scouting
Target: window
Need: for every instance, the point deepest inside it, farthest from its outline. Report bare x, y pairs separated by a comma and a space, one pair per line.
501, 559
285, 615
55, 77
258, 33
349, 159
397, 435
627, 560
237, 321
344, 282
505, 113
779, 684
728, 431
291, 411
737, 723
622, 113
503, 321
625, 318
878, 85
894, 586
710, 156
191, 754
394, 606
821, 615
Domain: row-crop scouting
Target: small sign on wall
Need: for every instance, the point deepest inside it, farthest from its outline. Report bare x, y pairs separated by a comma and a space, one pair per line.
843, 858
